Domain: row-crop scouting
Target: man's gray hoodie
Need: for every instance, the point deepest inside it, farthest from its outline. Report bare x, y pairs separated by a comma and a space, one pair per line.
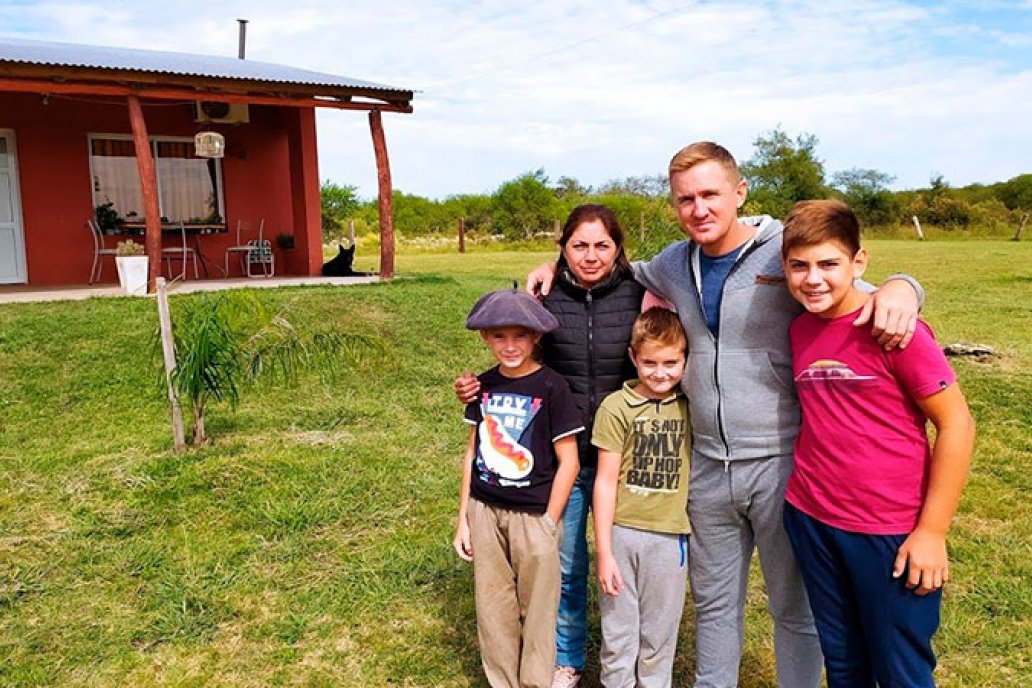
741, 395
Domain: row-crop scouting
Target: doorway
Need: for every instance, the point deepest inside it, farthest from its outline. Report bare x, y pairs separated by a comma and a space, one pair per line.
12, 236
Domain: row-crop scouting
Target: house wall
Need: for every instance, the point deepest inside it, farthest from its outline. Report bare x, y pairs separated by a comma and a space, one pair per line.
258, 173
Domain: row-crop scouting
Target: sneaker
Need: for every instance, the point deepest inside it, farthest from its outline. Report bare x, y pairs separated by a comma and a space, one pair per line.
565, 677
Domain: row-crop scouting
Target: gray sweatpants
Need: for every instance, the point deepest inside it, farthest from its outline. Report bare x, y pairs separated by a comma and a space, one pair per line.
734, 506
640, 625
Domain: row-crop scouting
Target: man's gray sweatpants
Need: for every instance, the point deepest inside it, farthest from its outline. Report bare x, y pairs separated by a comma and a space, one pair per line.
733, 506
640, 625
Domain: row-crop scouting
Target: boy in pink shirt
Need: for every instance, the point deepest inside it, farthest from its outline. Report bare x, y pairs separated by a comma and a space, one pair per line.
869, 501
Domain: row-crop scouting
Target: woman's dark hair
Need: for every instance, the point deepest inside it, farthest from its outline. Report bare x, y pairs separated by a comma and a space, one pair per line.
589, 212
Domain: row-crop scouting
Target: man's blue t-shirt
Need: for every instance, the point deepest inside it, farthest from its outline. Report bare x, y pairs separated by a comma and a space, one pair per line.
713, 272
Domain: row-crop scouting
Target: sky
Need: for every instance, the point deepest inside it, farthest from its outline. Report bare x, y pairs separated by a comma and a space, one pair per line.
606, 89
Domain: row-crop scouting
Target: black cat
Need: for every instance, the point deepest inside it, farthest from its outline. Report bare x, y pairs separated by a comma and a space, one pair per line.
340, 265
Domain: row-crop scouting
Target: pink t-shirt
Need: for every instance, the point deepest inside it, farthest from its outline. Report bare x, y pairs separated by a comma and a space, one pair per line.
862, 456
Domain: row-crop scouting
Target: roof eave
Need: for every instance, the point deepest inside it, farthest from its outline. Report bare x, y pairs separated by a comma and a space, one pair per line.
39, 77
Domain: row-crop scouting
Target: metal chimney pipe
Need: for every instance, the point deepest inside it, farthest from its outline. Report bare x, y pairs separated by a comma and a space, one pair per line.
242, 42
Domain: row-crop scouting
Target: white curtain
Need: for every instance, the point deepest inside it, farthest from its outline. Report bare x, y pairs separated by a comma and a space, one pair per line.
187, 185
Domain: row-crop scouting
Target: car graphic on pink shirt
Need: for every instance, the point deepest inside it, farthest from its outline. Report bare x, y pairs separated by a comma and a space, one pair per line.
826, 370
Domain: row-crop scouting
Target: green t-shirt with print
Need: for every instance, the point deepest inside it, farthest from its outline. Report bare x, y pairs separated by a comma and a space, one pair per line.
653, 438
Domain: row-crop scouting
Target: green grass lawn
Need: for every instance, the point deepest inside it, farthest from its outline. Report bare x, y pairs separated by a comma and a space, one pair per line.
310, 544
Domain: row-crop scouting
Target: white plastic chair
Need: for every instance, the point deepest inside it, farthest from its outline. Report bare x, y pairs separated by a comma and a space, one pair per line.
181, 253
99, 251
256, 252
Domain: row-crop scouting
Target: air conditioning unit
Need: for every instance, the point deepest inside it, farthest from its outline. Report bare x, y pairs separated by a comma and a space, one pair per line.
219, 112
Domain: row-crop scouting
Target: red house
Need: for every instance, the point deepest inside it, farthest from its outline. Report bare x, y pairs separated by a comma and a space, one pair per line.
108, 134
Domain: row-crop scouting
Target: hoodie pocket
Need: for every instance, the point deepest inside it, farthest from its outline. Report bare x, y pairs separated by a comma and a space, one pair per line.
758, 397
702, 395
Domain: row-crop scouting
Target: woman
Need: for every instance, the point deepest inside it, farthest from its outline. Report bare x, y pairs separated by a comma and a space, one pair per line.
596, 300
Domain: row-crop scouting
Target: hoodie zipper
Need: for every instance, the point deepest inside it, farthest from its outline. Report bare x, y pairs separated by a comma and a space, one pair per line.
716, 374
716, 348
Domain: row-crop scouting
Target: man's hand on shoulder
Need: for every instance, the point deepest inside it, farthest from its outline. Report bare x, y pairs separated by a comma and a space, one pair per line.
892, 312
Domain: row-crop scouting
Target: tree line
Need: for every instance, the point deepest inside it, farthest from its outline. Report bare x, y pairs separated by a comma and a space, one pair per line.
781, 171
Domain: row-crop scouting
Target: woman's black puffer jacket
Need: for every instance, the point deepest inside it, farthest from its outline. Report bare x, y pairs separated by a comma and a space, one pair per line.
589, 348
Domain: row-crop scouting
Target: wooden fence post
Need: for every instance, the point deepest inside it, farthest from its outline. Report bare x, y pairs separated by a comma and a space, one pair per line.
1021, 228
917, 226
462, 235
168, 353
351, 232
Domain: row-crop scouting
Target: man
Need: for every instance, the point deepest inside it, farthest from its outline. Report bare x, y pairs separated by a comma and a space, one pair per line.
728, 287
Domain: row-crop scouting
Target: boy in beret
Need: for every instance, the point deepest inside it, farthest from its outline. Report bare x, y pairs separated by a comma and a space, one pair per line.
518, 470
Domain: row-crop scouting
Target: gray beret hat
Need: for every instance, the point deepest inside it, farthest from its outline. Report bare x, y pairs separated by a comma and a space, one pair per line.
510, 308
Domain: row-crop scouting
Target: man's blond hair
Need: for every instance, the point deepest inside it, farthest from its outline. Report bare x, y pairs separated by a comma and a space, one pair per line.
704, 151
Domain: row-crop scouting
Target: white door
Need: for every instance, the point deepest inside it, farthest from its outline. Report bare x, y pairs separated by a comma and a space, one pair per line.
12, 239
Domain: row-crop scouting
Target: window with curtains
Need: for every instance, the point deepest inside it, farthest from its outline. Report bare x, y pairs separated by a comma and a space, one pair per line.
189, 188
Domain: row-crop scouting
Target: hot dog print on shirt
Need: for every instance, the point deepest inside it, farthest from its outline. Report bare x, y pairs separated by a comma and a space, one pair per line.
502, 456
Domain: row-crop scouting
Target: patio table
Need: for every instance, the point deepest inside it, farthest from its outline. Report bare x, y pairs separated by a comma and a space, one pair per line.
195, 231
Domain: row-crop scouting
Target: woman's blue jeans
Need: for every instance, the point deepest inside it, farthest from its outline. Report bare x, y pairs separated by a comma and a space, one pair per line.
571, 633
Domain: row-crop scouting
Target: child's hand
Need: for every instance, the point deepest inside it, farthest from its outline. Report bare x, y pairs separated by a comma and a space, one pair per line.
466, 387
461, 543
609, 575
923, 555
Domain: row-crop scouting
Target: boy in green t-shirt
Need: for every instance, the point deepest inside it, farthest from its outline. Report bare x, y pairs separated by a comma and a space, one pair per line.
640, 504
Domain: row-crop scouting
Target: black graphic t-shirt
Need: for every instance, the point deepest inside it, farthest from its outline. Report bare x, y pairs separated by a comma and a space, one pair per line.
518, 420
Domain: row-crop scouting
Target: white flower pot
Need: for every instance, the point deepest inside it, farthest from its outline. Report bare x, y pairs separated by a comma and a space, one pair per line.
132, 274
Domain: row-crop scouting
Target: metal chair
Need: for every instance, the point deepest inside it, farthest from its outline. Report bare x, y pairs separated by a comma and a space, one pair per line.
181, 253
257, 251
261, 255
99, 251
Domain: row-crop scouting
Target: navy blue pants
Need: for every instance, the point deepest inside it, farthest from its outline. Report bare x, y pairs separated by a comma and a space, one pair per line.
872, 627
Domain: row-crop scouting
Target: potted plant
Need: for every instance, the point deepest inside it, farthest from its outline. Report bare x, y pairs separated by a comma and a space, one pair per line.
107, 217
131, 260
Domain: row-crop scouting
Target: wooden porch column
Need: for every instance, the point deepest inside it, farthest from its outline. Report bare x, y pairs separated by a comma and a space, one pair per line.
305, 206
149, 184
383, 180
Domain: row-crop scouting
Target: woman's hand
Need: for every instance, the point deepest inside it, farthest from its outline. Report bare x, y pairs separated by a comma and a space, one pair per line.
466, 387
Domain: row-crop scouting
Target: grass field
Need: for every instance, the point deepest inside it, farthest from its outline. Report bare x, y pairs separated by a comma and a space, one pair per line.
310, 544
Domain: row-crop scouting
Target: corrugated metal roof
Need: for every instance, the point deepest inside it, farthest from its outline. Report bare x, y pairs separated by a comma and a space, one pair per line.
72, 55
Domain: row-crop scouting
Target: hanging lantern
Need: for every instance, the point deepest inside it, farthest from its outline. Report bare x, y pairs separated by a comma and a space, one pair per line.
209, 144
